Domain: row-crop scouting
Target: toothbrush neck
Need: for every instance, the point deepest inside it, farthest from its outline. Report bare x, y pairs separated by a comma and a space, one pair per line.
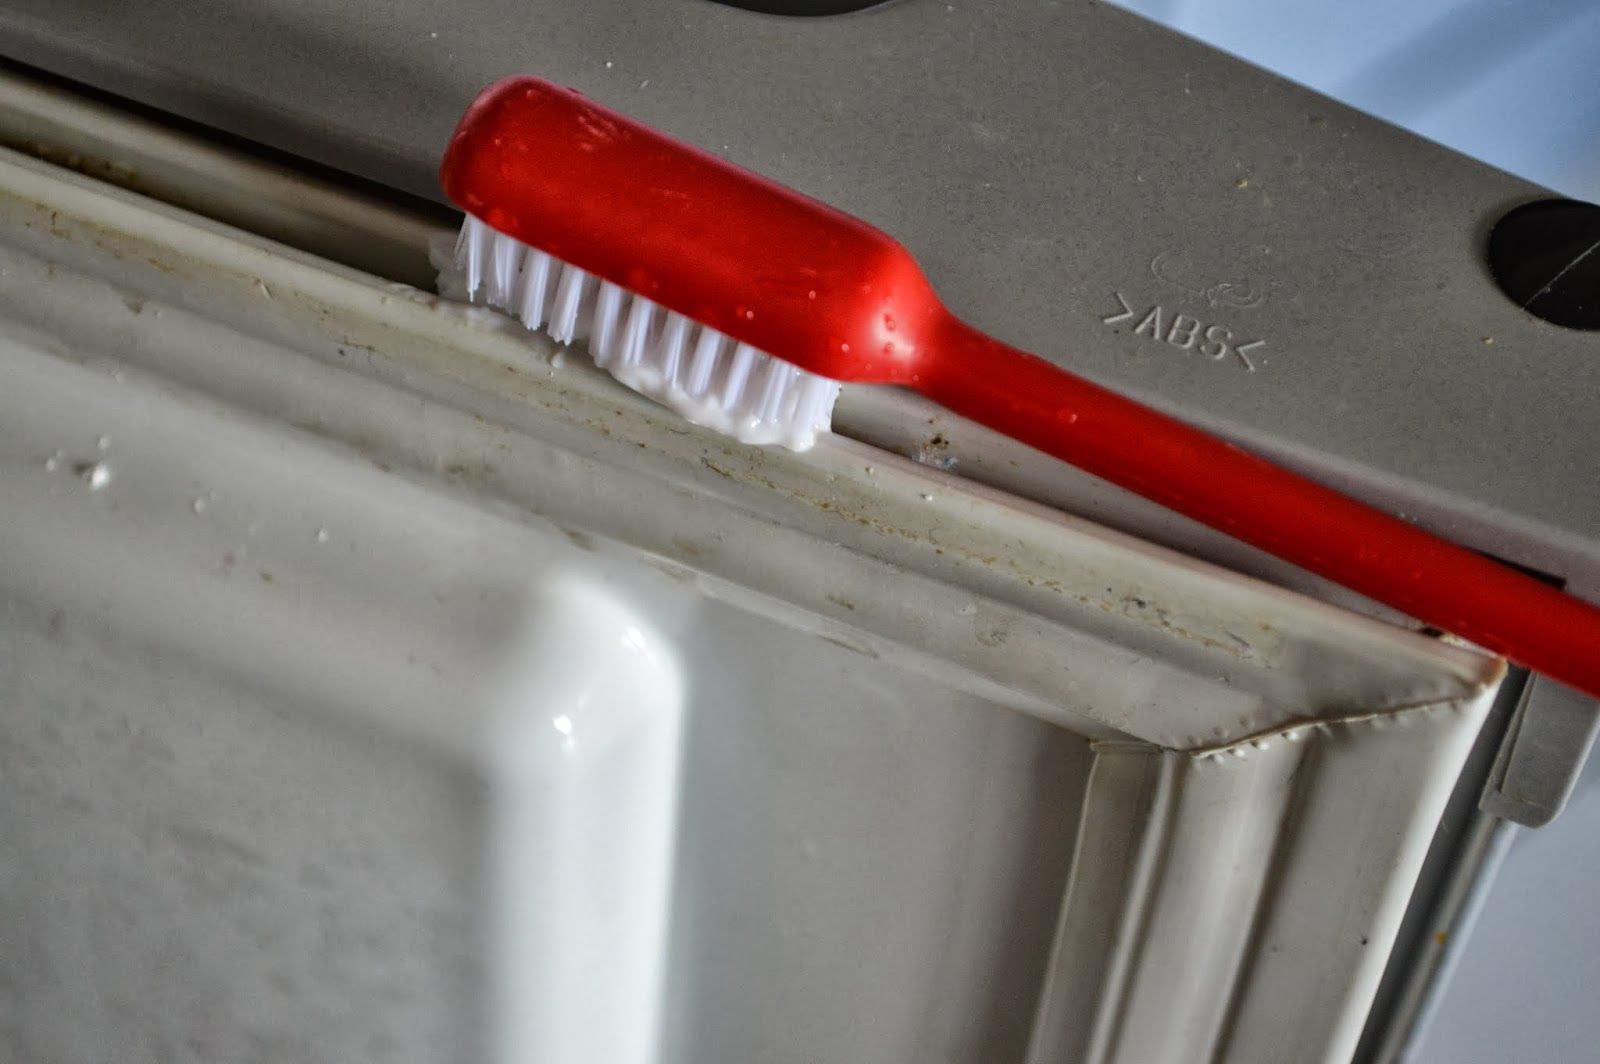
996, 384
1051, 409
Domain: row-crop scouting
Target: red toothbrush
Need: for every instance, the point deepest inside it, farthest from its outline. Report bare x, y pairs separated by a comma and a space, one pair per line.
742, 303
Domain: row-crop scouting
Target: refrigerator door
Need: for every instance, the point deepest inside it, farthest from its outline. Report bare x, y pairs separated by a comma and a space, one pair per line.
380, 682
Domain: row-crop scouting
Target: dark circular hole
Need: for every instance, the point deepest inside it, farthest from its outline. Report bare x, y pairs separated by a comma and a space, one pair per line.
802, 7
1546, 257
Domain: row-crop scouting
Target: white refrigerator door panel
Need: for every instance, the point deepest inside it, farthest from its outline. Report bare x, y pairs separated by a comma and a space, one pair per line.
376, 684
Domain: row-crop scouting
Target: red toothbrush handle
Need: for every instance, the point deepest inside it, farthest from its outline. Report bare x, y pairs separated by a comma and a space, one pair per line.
1252, 499
801, 281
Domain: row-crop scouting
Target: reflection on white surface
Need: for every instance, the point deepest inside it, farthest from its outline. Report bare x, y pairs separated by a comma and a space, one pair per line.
563, 727
583, 832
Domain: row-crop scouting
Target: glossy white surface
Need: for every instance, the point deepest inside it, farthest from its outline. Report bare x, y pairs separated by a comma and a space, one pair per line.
583, 764
854, 836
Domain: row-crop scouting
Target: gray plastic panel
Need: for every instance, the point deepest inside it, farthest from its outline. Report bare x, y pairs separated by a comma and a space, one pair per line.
1049, 163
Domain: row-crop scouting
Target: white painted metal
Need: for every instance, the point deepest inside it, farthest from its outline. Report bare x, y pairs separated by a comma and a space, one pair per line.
583, 766
1247, 907
959, 774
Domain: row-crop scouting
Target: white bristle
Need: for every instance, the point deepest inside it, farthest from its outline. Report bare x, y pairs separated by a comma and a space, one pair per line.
604, 342
744, 360
636, 339
674, 340
707, 350
472, 250
569, 302
535, 292
690, 367
507, 257
779, 391
816, 399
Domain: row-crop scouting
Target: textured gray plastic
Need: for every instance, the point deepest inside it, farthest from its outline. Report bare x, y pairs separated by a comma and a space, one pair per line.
1066, 173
